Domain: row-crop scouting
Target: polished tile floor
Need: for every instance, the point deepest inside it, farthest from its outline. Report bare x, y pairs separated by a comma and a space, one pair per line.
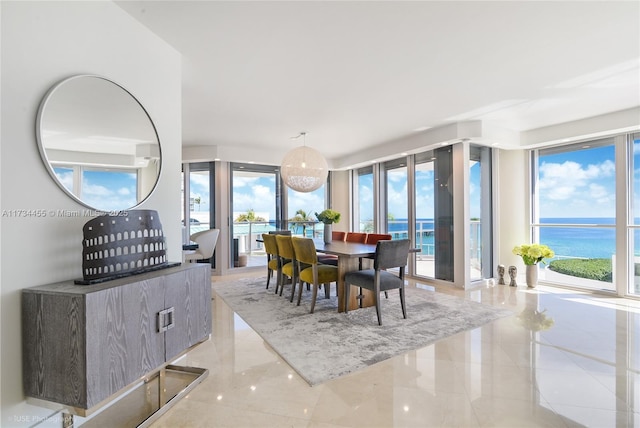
564, 359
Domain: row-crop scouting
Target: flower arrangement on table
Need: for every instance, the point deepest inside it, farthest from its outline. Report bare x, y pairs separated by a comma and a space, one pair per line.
328, 216
534, 253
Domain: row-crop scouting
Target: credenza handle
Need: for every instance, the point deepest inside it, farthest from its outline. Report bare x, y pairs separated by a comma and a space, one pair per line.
166, 319
171, 318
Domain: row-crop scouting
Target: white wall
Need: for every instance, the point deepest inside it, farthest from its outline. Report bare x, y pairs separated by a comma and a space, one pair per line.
42, 43
512, 202
340, 199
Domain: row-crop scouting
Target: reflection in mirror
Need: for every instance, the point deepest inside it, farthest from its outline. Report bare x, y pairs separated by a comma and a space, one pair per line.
99, 143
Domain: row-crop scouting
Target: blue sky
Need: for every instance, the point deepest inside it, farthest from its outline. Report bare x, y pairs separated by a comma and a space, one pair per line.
577, 184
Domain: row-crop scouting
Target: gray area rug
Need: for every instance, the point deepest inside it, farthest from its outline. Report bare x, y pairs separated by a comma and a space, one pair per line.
327, 344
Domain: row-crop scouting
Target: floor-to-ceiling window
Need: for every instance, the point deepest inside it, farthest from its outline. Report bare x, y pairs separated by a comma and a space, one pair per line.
394, 178
480, 228
574, 212
414, 199
633, 232
197, 199
200, 203
424, 207
364, 200
255, 208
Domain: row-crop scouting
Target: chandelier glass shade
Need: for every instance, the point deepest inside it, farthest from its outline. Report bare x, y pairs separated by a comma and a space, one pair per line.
304, 169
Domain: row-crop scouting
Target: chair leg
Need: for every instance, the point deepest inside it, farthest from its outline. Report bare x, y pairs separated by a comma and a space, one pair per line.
293, 289
278, 276
402, 303
378, 309
327, 291
280, 282
300, 293
269, 275
313, 297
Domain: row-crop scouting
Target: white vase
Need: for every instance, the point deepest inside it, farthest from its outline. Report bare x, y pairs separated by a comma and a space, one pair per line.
327, 233
532, 275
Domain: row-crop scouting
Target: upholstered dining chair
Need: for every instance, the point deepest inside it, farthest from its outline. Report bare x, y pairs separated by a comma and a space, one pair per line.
206, 240
280, 232
389, 254
273, 260
373, 238
338, 235
288, 265
356, 237
312, 272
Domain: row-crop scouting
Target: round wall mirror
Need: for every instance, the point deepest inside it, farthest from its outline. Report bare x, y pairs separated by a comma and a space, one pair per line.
98, 143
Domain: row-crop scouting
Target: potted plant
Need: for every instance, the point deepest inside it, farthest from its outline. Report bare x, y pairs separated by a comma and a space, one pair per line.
328, 217
532, 255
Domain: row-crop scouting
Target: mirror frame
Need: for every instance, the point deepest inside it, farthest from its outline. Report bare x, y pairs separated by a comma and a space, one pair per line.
45, 159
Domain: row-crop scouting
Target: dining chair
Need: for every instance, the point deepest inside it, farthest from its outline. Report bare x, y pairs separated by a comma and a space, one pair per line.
288, 265
389, 254
206, 240
356, 237
312, 272
273, 260
337, 235
280, 232
373, 238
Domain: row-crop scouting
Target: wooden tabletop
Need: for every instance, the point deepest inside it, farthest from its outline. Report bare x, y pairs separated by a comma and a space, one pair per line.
342, 248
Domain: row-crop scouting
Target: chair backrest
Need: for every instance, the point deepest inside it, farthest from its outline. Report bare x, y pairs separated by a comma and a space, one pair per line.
285, 247
338, 236
390, 254
280, 232
270, 244
305, 250
356, 237
373, 238
206, 240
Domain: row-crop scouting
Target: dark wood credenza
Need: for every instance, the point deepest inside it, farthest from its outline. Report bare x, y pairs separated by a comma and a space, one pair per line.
84, 344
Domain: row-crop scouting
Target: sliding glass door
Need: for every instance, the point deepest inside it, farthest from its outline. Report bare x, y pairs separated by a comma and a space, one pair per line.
394, 176
424, 177
480, 208
633, 232
363, 206
255, 207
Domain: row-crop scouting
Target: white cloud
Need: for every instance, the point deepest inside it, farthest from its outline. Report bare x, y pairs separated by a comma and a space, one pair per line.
561, 181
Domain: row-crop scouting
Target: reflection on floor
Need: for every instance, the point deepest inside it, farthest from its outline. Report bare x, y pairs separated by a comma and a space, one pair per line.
565, 359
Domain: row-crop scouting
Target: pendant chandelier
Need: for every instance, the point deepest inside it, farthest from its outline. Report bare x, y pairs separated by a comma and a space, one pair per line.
304, 169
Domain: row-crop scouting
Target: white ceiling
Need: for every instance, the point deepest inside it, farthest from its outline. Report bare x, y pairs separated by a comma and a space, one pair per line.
358, 75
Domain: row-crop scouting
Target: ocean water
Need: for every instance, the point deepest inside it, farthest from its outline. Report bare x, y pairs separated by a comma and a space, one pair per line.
585, 242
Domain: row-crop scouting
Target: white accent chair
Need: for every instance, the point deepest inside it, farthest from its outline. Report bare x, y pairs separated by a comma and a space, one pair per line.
206, 240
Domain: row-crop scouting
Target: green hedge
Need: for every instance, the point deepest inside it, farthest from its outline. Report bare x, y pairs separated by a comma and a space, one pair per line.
598, 269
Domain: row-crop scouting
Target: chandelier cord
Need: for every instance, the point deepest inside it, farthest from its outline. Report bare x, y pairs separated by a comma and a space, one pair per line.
302, 134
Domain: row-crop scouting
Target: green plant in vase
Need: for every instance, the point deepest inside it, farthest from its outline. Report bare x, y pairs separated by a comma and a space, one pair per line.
532, 254
328, 217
